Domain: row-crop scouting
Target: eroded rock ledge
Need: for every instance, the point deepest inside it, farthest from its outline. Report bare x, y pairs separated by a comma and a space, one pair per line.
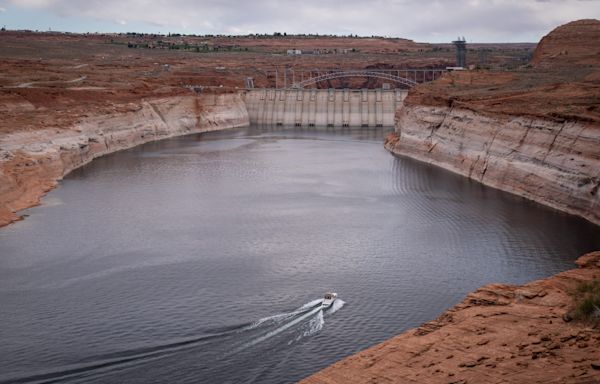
32, 162
498, 334
533, 132
553, 163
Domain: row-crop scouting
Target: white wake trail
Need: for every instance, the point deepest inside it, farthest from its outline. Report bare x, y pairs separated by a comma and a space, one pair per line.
284, 316
288, 320
337, 305
278, 330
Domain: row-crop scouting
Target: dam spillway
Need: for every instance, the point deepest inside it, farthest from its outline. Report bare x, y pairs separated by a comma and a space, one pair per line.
324, 107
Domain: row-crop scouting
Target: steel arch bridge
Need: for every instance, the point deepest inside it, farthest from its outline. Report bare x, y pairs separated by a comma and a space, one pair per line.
287, 78
356, 73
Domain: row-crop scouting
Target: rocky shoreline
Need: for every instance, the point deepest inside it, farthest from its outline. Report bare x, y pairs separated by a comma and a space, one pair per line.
497, 334
32, 162
534, 133
552, 163
489, 127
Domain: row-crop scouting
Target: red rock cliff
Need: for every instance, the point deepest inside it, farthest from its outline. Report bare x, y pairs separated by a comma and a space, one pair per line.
572, 44
535, 132
31, 162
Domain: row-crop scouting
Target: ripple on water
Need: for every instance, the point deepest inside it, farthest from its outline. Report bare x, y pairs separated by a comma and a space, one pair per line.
189, 260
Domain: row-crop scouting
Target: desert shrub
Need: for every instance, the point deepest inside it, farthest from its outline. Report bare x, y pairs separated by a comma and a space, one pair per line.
587, 302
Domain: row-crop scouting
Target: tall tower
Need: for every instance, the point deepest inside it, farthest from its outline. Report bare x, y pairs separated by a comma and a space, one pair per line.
461, 52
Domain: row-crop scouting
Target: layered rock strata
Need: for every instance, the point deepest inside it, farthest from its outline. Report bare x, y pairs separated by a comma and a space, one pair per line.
533, 132
571, 44
554, 163
498, 334
32, 162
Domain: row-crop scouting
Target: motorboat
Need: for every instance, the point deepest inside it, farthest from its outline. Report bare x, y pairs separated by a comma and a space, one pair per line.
328, 299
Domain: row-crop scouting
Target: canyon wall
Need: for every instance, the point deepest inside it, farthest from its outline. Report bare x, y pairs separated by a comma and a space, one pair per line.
535, 133
31, 162
554, 163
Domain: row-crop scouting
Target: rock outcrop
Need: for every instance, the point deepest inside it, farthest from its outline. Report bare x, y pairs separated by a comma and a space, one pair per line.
554, 163
31, 162
572, 44
498, 334
534, 133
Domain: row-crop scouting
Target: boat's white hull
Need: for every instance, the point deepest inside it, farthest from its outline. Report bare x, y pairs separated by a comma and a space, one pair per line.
328, 301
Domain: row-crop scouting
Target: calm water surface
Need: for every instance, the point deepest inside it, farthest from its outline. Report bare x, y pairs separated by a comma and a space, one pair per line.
202, 259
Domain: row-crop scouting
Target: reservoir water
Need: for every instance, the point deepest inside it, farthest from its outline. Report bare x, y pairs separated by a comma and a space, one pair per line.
202, 259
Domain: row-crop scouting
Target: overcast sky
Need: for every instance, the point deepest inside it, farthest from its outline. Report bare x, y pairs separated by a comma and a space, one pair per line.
419, 20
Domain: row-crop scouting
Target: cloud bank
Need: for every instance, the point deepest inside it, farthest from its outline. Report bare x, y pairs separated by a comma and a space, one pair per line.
435, 21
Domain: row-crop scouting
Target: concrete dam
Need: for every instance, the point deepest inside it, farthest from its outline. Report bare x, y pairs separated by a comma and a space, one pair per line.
324, 107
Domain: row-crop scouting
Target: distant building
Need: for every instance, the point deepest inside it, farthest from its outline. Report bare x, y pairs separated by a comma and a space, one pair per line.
292, 52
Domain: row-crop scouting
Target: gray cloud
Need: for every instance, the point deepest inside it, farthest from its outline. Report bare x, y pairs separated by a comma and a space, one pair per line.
441, 20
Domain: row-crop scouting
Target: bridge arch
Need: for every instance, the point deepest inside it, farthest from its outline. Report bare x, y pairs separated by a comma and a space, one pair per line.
355, 73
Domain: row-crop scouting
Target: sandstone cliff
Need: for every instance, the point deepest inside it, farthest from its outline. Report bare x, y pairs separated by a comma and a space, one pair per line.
572, 44
498, 334
554, 163
534, 132
31, 162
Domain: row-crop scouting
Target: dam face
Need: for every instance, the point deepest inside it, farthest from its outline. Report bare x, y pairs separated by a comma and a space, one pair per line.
324, 107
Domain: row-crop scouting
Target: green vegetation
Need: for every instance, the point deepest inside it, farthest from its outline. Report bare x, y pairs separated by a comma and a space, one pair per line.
587, 302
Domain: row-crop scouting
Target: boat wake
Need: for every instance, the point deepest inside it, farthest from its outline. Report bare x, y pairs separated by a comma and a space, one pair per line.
304, 321
280, 329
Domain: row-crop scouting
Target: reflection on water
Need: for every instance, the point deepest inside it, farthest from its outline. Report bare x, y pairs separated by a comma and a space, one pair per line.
188, 260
